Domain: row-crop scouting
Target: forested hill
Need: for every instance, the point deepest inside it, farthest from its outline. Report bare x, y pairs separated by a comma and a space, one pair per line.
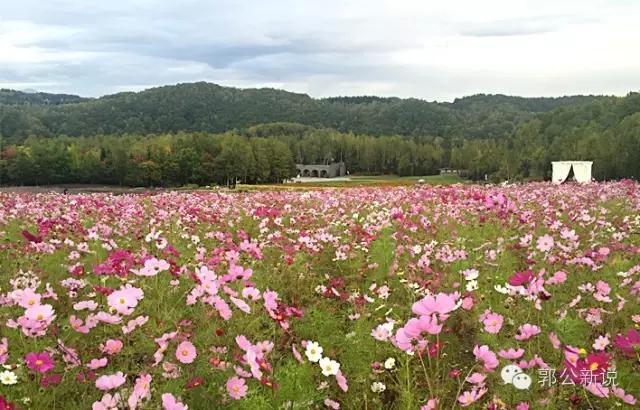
13, 97
213, 108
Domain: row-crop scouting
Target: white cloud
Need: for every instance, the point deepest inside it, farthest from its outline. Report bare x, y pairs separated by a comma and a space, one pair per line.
427, 49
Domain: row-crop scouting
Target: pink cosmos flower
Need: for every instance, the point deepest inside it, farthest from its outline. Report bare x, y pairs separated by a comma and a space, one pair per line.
555, 341
40, 362
493, 323
469, 397
169, 402
601, 343
186, 352
110, 381
527, 331
152, 267
332, 404
108, 402
442, 304
125, 299
511, 354
476, 378
40, 313
4, 350
545, 243
487, 357
236, 387
95, 364
112, 346
621, 394
342, 381
557, 278
28, 297
432, 404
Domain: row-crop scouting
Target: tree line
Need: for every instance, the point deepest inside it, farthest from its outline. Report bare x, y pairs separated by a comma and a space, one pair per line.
507, 141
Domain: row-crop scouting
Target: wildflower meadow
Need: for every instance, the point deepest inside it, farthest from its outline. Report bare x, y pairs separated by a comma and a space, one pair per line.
414, 297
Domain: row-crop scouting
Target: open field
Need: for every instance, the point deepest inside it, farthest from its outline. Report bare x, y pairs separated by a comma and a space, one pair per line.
371, 297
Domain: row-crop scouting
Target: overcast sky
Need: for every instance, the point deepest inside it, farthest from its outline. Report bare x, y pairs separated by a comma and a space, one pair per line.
436, 50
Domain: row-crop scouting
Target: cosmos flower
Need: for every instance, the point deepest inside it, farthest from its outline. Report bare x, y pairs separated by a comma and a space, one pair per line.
313, 351
39, 362
186, 352
329, 367
236, 387
111, 381
527, 331
169, 402
8, 378
378, 387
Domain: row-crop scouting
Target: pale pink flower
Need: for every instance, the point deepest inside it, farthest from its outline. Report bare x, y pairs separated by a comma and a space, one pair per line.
432, 404
511, 354
332, 404
28, 297
493, 323
4, 350
555, 341
169, 402
125, 299
469, 397
111, 381
442, 304
186, 352
601, 343
236, 387
95, 364
545, 243
112, 346
108, 402
342, 381
527, 331
486, 356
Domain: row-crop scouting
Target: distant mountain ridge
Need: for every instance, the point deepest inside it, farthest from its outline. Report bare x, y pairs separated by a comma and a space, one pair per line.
14, 97
210, 107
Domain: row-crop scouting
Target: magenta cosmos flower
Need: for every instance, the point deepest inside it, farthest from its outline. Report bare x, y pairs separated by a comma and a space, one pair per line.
236, 387
186, 352
40, 362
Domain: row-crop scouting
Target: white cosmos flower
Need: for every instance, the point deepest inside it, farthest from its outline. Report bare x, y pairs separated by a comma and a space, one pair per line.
8, 377
313, 351
501, 289
329, 367
472, 285
378, 387
390, 363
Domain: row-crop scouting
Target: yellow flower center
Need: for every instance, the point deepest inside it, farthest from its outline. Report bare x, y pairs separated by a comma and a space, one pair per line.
594, 366
185, 352
121, 301
40, 316
39, 362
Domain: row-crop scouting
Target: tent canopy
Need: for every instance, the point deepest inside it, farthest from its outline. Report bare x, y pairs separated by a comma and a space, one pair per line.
562, 169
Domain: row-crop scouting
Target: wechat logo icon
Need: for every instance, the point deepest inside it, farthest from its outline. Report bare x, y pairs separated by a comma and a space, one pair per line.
512, 374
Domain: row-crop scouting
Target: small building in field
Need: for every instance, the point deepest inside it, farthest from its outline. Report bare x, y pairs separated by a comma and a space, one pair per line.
449, 171
336, 169
581, 170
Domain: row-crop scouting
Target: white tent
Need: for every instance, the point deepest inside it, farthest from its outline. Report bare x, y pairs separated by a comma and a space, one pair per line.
562, 169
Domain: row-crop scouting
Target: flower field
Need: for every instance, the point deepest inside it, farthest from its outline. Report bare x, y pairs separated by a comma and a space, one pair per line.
415, 297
